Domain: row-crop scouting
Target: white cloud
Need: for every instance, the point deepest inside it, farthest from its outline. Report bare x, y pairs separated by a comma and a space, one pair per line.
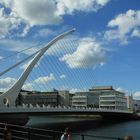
70, 6
1, 57
136, 95
74, 90
36, 12
44, 33
88, 54
7, 23
27, 86
64, 46
136, 33
17, 45
122, 90
102, 2
25, 65
6, 83
45, 79
63, 76
124, 26
7, 3
24, 14
116, 35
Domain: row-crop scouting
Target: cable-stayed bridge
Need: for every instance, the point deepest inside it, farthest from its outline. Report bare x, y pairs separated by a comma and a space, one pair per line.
21, 114
8, 97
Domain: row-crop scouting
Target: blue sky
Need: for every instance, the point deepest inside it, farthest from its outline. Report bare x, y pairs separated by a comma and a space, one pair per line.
104, 50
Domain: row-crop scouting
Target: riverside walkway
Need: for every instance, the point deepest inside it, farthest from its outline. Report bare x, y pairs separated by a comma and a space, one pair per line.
28, 133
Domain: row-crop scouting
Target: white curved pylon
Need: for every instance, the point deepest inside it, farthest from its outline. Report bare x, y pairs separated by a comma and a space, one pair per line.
9, 97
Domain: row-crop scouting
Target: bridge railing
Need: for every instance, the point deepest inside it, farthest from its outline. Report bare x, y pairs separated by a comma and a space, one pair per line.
28, 108
28, 133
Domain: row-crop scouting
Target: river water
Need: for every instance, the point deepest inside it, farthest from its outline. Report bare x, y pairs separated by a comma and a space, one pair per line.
90, 126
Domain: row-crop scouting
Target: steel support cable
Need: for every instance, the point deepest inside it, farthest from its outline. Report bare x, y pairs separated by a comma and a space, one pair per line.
13, 91
29, 82
59, 69
40, 73
35, 73
71, 70
18, 63
86, 81
55, 65
67, 69
51, 85
64, 43
83, 69
39, 67
32, 79
42, 69
74, 72
33, 76
81, 83
47, 47
87, 75
42, 51
4, 58
58, 65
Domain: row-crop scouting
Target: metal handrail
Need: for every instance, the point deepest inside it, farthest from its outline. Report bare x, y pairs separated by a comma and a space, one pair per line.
29, 133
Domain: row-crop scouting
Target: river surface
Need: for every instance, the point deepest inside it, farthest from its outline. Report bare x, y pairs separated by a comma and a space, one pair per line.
90, 126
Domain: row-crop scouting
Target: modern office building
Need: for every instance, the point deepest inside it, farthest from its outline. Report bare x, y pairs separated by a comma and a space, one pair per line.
85, 99
130, 102
104, 97
64, 98
110, 98
40, 98
70, 98
51, 98
136, 105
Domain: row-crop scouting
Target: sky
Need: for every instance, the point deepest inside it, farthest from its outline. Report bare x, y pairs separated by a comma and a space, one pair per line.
104, 49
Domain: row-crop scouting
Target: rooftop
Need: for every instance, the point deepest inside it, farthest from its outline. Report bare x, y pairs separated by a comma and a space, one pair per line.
101, 88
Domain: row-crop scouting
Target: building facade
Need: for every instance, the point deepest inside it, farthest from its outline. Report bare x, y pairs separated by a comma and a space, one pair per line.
136, 106
64, 98
130, 102
51, 98
85, 99
109, 98
104, 97
40, 98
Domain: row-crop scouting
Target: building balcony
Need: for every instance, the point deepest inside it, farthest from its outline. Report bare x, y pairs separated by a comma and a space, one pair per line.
101, 100
105, 105
106, 96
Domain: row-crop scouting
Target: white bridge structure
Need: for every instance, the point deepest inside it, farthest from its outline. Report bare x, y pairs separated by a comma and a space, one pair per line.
8, 98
